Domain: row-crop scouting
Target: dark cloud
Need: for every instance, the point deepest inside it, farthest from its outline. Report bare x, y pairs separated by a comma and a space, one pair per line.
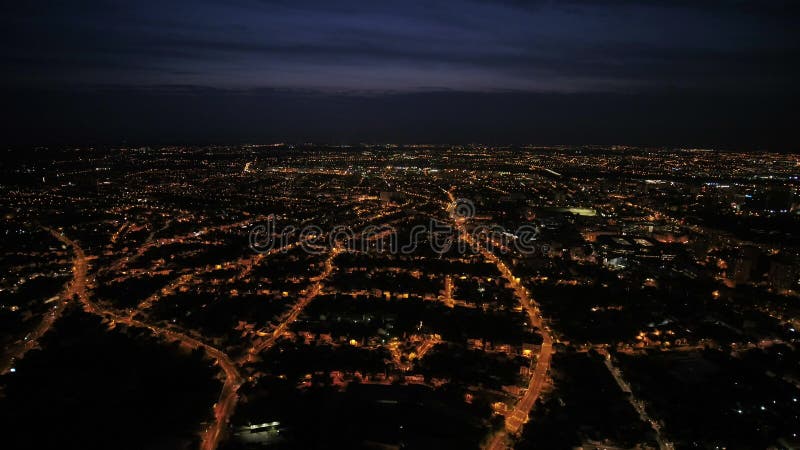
710, 49
759, 7
537, 46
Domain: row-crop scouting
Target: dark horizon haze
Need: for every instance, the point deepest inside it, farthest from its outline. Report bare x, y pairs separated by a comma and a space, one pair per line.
706, 73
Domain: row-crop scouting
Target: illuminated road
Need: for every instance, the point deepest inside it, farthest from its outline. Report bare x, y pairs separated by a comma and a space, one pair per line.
448, 291
228, 397
164, 291
419, 352
247, 264
233, 380
76, 286
637, 404
80, 287
426, 346
519, 415
122, 262
298, 308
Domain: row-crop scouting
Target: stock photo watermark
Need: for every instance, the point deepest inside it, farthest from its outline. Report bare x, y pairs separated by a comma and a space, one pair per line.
440, 236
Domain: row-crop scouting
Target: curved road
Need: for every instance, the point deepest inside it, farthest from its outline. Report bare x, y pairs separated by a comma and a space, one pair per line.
519, 415
228, 397
79, 269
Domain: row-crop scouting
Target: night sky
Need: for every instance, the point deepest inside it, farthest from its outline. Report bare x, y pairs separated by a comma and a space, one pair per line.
684, 72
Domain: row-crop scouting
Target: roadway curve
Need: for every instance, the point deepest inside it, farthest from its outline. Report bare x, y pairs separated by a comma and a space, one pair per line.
233, 379
519, 415
74, 287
